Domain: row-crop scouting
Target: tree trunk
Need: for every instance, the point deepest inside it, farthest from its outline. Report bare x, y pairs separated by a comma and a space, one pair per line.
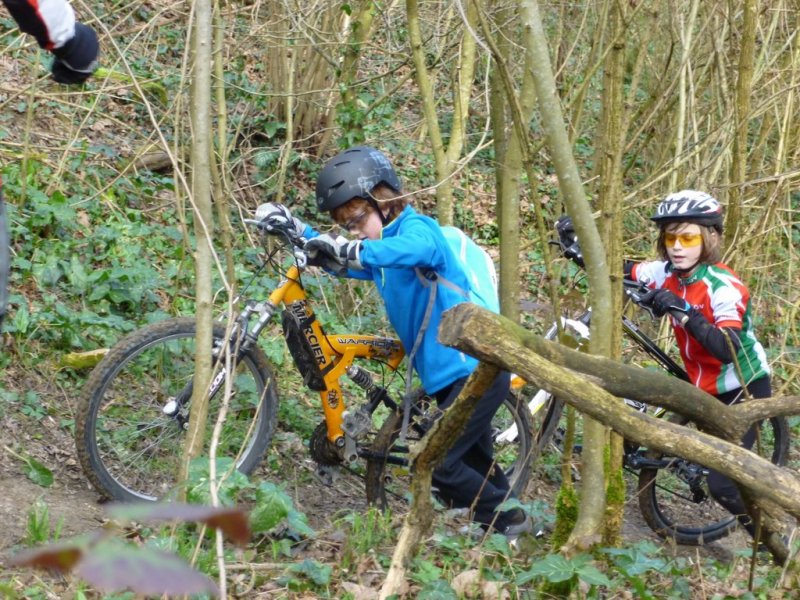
444, 200
506, 180
742, 114
592, 504
509, 141
425, 457
609, 164
200, 201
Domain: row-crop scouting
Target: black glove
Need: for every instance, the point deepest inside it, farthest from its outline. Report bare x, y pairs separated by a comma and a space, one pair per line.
661, 301
568, 240
276, 217
334, 254
75, 61
566, 230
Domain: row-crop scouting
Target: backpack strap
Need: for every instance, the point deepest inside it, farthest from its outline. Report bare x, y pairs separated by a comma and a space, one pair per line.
426, 320
430, 279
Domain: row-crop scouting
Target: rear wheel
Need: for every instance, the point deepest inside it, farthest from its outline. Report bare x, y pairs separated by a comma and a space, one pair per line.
387, 463
134, 411
675, 500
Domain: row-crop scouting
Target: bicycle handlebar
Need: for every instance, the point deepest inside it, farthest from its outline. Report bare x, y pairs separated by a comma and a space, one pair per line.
635, 290
284, 231
567, 242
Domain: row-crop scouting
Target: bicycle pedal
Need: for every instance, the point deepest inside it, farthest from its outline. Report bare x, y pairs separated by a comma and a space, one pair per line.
327, 475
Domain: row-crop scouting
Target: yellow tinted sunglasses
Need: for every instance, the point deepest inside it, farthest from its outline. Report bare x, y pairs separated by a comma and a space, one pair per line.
687, 240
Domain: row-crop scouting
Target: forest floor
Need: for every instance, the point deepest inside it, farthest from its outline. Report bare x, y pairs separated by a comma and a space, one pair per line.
74, 506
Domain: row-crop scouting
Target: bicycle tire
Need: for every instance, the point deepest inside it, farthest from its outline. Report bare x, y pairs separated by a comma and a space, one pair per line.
129, 447
671, 507
514, 455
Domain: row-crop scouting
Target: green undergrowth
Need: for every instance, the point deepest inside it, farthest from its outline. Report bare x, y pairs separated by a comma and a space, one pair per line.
290, 559
99, 250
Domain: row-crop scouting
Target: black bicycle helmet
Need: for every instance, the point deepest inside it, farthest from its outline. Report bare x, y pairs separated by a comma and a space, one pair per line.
354, 173
689, 206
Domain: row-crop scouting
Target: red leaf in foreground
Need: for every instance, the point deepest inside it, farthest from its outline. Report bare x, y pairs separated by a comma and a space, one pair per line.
114, 566
59, 558
232, 521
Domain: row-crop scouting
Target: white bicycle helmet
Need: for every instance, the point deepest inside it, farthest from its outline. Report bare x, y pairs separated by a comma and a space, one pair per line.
689, 206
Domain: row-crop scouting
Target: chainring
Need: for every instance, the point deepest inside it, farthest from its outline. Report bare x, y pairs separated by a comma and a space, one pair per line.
322, 450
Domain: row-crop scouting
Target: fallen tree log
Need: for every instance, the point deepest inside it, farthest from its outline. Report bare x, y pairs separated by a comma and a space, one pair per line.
496, 340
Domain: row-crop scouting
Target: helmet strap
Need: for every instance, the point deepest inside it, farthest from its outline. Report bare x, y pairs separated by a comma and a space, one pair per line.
376, 206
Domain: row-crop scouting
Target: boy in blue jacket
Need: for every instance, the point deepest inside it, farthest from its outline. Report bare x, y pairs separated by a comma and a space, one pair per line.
395, 246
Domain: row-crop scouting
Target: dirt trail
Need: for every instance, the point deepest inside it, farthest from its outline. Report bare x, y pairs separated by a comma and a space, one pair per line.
74, 504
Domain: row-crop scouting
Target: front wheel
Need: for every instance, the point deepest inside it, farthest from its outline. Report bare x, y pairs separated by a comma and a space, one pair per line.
133, 413
387, 462
675, 500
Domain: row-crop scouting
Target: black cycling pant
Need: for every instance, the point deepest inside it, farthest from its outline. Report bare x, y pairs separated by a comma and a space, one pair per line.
468, 476
5, 258
722, 488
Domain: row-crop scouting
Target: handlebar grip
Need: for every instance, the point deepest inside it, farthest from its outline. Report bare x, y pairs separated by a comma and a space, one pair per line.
680, 316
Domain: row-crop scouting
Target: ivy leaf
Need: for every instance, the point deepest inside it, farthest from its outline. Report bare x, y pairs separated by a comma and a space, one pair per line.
317, 572
298, 522
591, 575
553, 567
22, 318
272, 506
437, 590
38, 473
426, 572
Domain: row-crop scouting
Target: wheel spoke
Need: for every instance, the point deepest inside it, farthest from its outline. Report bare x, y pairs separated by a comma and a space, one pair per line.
129, 447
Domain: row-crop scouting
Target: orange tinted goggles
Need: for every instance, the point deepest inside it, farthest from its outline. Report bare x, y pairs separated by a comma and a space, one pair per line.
687, 240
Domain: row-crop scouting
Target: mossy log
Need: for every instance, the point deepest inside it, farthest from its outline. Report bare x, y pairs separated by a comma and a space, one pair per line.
593, 385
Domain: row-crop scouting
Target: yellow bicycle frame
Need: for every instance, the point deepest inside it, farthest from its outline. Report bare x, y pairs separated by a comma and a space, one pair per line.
334, 353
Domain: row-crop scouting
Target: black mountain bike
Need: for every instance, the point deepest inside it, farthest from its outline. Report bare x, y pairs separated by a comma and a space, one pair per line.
673, 494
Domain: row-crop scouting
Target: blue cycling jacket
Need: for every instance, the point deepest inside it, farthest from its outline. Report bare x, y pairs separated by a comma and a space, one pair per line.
409, 242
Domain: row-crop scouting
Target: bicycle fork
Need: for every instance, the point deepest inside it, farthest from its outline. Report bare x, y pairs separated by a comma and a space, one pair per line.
240, 340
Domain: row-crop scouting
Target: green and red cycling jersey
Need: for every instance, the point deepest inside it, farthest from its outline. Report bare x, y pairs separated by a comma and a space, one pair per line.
719, 295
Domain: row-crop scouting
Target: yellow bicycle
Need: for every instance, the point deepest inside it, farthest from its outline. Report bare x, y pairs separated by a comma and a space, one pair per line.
134, 411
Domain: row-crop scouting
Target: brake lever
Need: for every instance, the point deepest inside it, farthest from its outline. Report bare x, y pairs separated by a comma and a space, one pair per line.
569, 252
300, 257
637, 295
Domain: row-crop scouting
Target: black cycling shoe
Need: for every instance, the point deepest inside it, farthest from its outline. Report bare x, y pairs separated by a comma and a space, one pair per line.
511, 523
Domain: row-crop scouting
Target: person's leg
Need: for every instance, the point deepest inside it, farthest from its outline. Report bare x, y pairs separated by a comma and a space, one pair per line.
481, 458
464, 478
722, 488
